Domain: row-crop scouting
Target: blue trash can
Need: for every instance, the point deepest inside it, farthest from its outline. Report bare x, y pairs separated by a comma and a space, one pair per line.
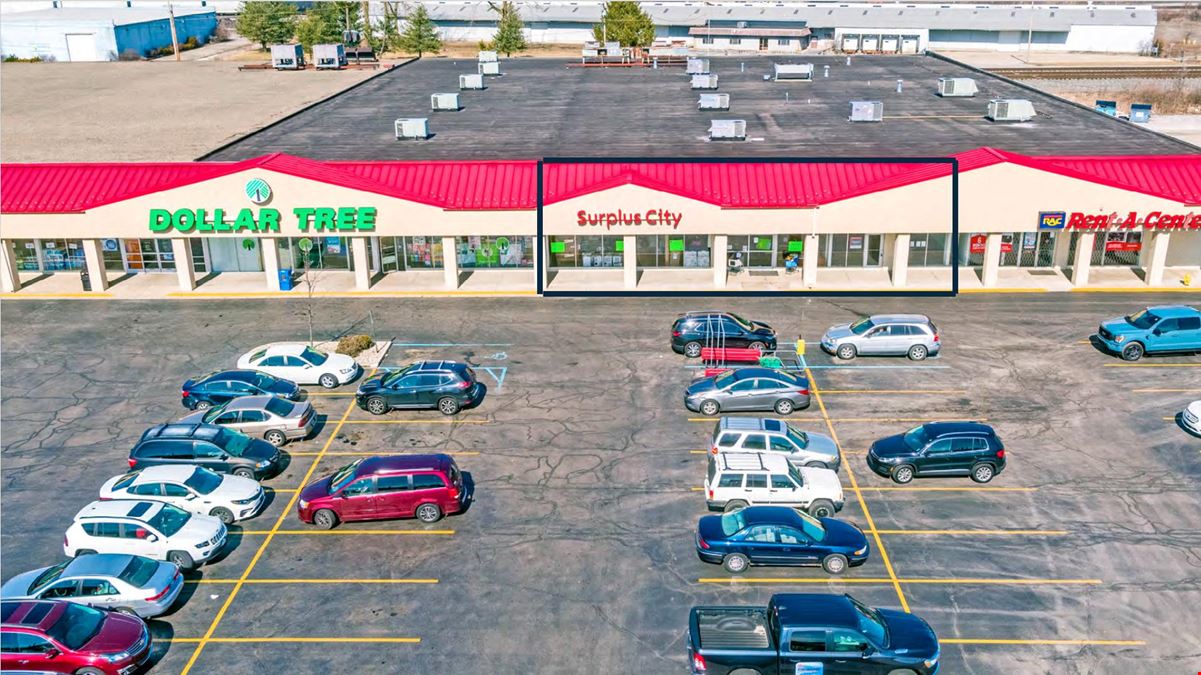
285, 279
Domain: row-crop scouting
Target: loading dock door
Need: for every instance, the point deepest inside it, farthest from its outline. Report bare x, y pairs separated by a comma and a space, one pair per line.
908, 44
850, 43
82, 47
871, 43
889, 45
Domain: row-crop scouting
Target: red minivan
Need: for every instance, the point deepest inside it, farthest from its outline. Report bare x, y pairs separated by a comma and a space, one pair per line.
426, 487
55, 636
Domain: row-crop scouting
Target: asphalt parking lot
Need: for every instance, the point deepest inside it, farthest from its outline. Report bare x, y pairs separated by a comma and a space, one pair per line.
577, 554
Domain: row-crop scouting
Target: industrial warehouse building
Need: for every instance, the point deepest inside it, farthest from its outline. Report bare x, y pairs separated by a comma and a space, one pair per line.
1072, 194
99, 33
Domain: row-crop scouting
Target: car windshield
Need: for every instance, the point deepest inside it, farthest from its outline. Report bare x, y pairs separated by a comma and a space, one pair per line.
138, 572
49, 576
203, 481
916, 438
741, 321
1142, 319
169, 520
313, 356
212, 414
232, 442
343, 476
278, 407
870, 624
76, 626
724, 379
799, 437
862, 326
394, 376
796, 475
732, 522
812, 527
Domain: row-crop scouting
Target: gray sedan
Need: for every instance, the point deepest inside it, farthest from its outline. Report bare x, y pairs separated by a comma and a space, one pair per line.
127, 583
754, 389
275, 420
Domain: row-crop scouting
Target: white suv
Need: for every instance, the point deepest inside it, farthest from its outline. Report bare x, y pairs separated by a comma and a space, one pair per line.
151, 529
192, 488
738, 479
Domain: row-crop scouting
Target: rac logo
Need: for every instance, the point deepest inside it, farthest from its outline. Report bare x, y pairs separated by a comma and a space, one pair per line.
1053, 220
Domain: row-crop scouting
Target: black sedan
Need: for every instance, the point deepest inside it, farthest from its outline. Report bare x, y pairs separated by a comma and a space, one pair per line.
777, 535
221, 387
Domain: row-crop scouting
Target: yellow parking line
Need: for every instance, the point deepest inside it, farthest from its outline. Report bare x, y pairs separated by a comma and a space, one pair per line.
979, 488
282, 489
317, 640
416, 422
887, 580
989, 533
1152, 365
329, 393
863, 419
894, 391
372, 453
1170, 419
53, 296
313, 581
349, 532
1071, 643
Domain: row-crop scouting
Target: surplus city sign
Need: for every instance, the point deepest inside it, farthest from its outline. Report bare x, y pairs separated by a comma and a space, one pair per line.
263, 220
611, 219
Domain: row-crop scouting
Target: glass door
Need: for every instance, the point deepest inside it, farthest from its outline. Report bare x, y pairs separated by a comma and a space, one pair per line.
752, 250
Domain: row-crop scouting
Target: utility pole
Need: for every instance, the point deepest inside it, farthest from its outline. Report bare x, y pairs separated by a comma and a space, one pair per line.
174, 35
1030, 32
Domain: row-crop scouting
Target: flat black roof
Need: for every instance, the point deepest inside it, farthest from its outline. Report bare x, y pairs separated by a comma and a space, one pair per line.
542, 108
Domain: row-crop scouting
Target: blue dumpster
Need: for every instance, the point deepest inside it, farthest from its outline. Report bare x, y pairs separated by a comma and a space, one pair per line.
285, 279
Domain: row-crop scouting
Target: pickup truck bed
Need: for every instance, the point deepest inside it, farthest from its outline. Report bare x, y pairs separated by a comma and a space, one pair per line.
732, 628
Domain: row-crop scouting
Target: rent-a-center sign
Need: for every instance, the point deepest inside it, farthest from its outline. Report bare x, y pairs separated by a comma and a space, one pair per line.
1155, 220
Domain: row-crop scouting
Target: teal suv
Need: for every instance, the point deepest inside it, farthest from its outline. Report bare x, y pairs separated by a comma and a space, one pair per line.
1154, 330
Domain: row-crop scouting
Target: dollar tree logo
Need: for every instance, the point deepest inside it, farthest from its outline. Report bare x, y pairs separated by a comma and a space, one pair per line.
258, 191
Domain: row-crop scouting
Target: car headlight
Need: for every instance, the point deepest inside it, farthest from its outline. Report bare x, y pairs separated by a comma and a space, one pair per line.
248, 500
114, 658
931, 662
263, 464
861, 551
347, 371
304, 504
1119, 338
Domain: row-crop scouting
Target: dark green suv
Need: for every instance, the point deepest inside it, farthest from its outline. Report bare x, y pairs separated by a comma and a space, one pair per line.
939, 449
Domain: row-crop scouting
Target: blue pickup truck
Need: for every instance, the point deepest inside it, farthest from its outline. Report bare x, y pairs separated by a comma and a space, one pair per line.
810, 634
1154, 330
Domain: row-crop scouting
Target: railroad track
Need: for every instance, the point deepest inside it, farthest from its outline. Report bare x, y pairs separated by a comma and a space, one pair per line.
1099, 73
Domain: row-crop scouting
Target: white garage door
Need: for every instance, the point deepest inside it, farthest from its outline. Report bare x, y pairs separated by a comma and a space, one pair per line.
82, 47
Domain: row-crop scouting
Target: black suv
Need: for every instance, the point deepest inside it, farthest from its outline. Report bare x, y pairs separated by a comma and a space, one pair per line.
694, 330
216, 389
208, 445
939, 449
448, 386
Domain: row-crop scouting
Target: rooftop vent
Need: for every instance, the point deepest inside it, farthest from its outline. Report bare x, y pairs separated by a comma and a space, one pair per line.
956, 86
1140, 112
793, 71
329, 56
473, 81
412, 128
1107, 107
867, 111
713, 102
1010, 110
698, 67
445, 102
727, 130
704, 82
487, 57
489, 68
287, 57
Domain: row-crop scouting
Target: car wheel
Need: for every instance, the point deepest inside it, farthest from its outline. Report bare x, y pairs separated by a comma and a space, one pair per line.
835, 564
710, 407
817, 465
275, 437
784, 407
983, 473
203, 405
756, 345
429, 513
325, 519
182, 559
223, 514
692, 350
243, 472
902, 474
734, 505
735, 563
328, 381
918, 353
377, 406
84, 551
89, 671
901, 671
821, 508
448, 406
1133, 351
846, 352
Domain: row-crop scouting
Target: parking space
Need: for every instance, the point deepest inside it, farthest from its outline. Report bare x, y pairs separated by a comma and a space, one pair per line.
579, 545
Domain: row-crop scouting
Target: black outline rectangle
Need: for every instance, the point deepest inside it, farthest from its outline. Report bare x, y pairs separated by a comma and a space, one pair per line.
954, 291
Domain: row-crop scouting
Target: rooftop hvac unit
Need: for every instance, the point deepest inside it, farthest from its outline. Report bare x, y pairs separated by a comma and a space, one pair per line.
793, 71
612, 49
489, 68
329, 56
487, 57
727, 130
473, 81
704, 82
1010, 110
697, 67
287, 57
1140, 112
1107, 107
956, 86
867, 111
412, 128
445, 102
713, 102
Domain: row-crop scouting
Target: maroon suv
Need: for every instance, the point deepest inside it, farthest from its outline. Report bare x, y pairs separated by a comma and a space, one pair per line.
380, 488
65, 637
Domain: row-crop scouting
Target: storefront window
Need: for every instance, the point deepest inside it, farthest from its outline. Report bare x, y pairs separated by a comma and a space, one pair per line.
1027, 249
111, 250
673, 250
197, 248
590, 251
789, 247
423, 253
752, 250
495, 252
849, 250
929, 250
60, 255
326, 253
1120, 248
26, 251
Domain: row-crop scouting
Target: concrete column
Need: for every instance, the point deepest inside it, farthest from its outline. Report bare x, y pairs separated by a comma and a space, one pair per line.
270, 250
377, 261
182, 250
629, 259
717, 255
1084, 258
9, 281
450, 262
1059, 257
362, 263
93, 254
992, 260
1158, 258
809, 260
900, 259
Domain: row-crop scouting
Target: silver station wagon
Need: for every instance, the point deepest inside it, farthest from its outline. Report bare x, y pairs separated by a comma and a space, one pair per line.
273, 419
911, 335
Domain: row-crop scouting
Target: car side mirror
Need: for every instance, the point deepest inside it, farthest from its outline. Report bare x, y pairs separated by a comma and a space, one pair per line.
308, 365
223, 456
1157, 332
51, 652
152, 537
190, 497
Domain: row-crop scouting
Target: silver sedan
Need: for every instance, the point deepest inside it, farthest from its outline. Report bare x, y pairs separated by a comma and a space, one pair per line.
268, 417
126, 583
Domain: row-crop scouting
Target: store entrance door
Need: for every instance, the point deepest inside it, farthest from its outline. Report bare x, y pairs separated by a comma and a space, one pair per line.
1027, 249
753, 251
233, 255
149, 255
